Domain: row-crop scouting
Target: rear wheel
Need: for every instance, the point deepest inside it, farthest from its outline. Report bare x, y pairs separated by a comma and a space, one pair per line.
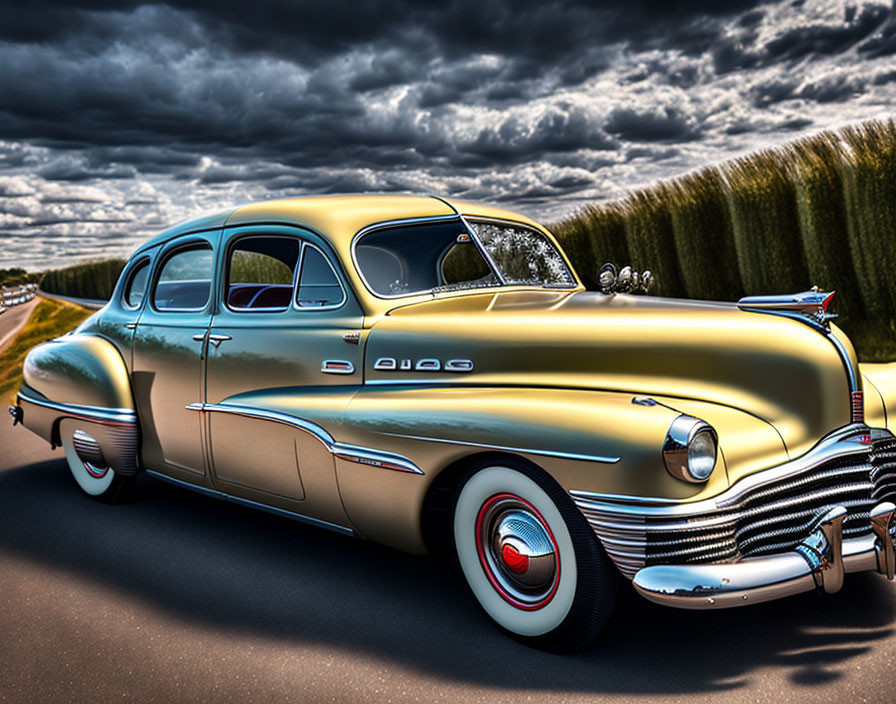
530, 558
93, 475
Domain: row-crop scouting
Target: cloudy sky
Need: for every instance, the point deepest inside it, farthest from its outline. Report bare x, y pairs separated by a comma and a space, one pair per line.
118, 119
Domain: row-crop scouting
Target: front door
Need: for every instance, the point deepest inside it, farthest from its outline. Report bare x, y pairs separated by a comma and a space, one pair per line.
279, 324
168, 358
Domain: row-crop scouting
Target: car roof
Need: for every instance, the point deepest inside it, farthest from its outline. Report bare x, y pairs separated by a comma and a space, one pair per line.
338, 218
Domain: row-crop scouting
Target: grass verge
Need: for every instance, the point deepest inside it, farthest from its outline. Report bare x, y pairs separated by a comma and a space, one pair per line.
49, 319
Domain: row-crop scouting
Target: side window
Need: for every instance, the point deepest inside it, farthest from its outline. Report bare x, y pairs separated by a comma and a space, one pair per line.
185, 281
260, 272
135, 289
318, 284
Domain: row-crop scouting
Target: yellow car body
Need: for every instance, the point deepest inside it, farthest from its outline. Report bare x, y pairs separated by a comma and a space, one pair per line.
363, 416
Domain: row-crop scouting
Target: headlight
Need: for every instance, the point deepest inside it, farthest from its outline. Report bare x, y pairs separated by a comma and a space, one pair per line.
690, 449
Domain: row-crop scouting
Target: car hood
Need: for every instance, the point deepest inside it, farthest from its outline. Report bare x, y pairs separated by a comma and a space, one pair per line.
771, 367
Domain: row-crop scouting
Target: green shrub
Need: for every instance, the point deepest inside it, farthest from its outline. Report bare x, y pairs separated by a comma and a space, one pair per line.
704, 238
762, 200
821, 210
591, 237
94, 280
816, 169
869, 167
648, 232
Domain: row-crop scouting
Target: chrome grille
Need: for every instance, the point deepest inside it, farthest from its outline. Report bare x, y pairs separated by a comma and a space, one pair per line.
765, 518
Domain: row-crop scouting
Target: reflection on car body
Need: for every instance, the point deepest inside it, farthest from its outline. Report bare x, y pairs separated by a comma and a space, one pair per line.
428, 373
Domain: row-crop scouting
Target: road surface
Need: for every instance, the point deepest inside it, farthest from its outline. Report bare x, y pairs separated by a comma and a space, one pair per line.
14, 318
177, 597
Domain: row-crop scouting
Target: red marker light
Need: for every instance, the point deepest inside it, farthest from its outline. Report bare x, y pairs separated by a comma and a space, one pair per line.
858, 407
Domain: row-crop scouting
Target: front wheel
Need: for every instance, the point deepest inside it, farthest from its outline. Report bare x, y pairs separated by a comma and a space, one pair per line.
96, 479
530, 558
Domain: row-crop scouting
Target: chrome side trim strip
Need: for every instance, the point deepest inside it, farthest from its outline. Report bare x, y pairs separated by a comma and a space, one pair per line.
273, 416
353, 453
847, 362
374, 458
505, 448
840, 443
114, 416
254, 504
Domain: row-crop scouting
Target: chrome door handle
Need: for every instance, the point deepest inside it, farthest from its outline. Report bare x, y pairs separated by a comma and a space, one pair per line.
131, 326
218, 339
199, 338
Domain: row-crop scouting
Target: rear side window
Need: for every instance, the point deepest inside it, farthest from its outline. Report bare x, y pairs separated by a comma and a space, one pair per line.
185, 281
260, 273
319, 286
135, 289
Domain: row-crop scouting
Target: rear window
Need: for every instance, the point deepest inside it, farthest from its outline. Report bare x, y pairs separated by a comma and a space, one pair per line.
185, 280
136, 287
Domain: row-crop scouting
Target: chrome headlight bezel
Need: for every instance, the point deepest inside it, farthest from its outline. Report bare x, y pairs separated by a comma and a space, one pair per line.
680, 439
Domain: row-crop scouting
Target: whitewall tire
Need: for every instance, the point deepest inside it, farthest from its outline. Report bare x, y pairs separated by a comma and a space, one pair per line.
530, 558
97, 481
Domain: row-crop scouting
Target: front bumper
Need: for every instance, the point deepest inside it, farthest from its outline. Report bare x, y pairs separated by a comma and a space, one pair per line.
819, 561
784, 530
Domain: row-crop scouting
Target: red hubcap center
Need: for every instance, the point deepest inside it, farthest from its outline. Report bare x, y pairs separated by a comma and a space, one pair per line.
516, 563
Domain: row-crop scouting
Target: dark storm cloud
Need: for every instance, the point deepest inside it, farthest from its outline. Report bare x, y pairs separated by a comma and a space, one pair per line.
143, 113
660, 124
128, 76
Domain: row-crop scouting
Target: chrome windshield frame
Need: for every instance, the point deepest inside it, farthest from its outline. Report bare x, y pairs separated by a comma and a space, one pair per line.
462, 220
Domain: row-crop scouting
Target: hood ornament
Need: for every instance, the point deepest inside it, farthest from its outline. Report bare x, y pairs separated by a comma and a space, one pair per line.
810, 307
625, 281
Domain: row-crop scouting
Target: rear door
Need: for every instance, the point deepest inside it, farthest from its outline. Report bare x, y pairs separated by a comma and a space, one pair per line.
168, 357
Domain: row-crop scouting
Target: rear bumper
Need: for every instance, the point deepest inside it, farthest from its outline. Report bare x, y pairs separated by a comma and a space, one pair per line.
115, 430
819, 561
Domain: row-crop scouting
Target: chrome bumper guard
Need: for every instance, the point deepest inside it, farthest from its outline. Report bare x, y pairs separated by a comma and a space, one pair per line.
819, 561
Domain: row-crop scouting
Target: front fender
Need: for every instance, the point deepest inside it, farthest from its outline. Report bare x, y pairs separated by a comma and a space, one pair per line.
587, 440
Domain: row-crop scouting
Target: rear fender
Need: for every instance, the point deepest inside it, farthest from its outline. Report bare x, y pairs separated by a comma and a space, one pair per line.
82, 376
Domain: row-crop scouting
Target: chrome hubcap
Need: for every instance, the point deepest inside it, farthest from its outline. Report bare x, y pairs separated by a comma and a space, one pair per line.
518, 551
90, 454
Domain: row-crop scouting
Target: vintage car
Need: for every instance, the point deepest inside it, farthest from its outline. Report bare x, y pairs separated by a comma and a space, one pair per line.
430, 374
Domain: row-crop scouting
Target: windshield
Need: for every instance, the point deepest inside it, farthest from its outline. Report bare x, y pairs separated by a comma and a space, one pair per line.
443, 256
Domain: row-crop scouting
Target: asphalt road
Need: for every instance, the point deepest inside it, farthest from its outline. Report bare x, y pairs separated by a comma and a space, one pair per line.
178, 597
12, 319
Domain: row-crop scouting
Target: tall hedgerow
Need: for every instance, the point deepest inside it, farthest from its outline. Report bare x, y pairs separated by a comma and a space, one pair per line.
817, 172
648, 232
603, 228
765, 224
869, 167
575, 239
704, 239
91, 280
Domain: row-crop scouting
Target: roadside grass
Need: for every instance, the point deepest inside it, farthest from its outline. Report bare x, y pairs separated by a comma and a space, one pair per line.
49, 319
